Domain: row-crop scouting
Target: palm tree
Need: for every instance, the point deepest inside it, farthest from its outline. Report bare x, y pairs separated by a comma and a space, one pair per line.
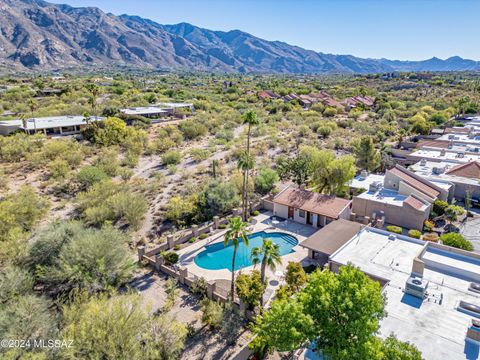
250, 119
245, 163
267, 255
237, 230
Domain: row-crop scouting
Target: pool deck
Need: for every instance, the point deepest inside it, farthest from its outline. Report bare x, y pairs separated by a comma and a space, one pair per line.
264, 223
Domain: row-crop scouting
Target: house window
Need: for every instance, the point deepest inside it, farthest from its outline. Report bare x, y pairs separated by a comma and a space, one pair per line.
301, 213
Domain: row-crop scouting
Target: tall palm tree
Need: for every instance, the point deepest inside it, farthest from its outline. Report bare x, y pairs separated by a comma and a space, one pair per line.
245, 163
267, 255
250, 118
237, 230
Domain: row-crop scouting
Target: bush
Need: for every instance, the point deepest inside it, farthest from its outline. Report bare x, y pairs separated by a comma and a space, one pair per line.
177, 247
439, 207
394, 229
199, 286
433, 237
192, 240
250, 288
457, 241
170, 257
172, 157
295, 276
265, 181
414, 234
222, 226
90, 175
428, 225
212, 313
203, 236
255, 213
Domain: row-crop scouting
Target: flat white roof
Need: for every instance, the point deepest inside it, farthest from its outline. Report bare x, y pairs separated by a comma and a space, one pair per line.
175, 105
360, 182
383, 195
436, 327
49, 122
426, 171
461, 138
448, 155
143, 110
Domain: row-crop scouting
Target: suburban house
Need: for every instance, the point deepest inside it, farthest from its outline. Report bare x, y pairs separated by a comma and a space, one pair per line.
464, 177
308, 207
157, 111
355, 101
432, 290
403, 198
50, 126
267, 95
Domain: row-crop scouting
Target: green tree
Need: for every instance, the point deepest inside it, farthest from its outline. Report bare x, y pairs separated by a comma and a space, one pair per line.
457, 241
88, 258
368, 157
267, 255
219, 198
345, 309
250, 288
119, 328
295, 276
212, 313
265, 180
330, 174
393, 349
237, 231
250, 119
284, 327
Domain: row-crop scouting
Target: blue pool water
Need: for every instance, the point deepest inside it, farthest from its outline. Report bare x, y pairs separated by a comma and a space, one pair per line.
217, 256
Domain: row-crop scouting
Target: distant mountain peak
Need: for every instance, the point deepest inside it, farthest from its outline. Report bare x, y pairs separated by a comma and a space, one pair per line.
39, 35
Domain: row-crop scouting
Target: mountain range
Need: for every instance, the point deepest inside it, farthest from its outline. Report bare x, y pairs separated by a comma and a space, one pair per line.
38, 35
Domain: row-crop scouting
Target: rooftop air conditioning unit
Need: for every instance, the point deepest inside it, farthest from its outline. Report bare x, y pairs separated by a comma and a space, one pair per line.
423, 162
375, 186
416, 286
437, 170
364, 174
475, 287
442, 152
451, 137
392, 237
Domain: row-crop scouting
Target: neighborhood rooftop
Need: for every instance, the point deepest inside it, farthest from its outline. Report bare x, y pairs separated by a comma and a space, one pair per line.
69, 123
436, 324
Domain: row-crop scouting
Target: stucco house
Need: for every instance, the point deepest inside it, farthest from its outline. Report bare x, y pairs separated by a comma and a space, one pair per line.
308, 207
403, 198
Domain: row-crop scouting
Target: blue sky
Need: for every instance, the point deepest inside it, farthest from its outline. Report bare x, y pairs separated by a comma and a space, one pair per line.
394, 29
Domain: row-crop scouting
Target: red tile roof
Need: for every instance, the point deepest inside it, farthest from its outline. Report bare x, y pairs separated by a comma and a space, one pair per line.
415, 183
414, 202
469, 170
320, 204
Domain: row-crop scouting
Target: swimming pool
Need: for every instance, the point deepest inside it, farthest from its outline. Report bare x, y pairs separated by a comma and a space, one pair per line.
218, 257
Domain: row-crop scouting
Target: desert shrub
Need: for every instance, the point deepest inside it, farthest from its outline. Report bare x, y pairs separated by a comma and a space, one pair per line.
433, 237
218, 198
172, 157
192, 129
439, 207
428, 225
414, 234
84, 258
457, 241
212, 313
203, 236
89, 175
394, 229
108, 201
199, 286
265, 180
170, 257
59, 168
